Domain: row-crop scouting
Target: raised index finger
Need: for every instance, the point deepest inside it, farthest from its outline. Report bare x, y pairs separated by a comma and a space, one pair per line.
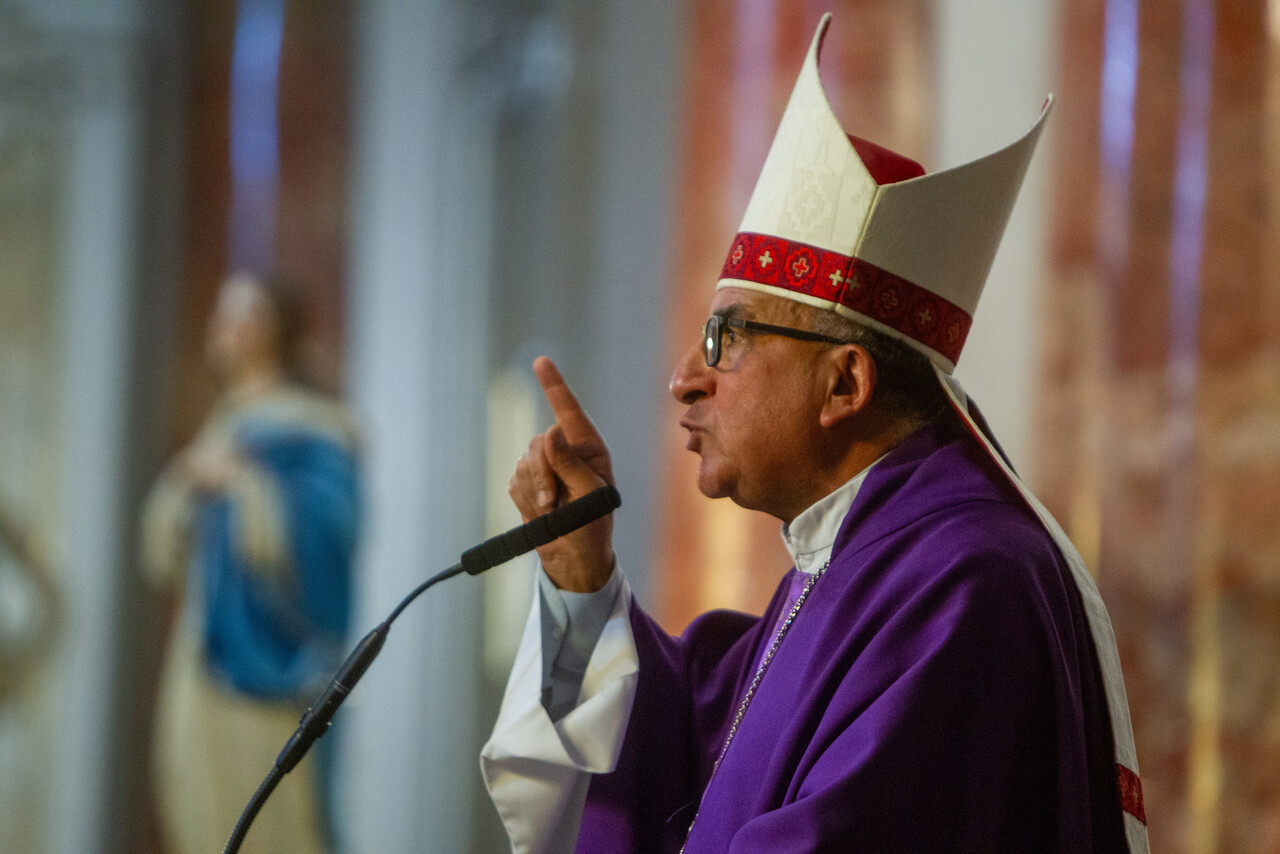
576, 424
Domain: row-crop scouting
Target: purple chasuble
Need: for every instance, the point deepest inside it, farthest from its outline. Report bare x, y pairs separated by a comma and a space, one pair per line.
938, 691
793, 593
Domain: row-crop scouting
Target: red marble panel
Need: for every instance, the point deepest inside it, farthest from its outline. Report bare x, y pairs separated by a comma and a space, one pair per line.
311, 232
1176, 464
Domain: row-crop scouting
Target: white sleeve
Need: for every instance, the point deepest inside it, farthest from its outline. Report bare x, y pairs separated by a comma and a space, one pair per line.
537, 770
571, 628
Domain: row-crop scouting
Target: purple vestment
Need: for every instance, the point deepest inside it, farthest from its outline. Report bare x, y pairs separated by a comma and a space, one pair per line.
938, 691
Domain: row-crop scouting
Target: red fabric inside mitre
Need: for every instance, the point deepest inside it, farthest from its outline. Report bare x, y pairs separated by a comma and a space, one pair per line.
885, 166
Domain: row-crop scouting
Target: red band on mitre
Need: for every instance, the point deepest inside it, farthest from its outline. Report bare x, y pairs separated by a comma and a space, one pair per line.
919, 314
1131, 793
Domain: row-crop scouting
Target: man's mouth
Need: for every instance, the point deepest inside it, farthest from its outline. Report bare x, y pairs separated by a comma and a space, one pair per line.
694, 442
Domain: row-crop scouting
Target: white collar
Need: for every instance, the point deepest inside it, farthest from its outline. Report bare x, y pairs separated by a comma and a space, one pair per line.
811, 535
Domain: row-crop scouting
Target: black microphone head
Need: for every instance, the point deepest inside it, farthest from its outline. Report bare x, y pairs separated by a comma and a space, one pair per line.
541, 530
611, 495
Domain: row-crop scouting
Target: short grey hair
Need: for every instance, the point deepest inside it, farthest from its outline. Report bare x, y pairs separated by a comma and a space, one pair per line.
907, 389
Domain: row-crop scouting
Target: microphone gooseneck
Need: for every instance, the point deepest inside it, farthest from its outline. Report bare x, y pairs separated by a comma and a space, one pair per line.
492, 552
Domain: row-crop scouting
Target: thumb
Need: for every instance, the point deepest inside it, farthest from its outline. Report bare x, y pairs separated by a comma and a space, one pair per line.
569, 467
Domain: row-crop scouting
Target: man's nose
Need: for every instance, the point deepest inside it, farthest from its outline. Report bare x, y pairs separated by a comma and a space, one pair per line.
692, 379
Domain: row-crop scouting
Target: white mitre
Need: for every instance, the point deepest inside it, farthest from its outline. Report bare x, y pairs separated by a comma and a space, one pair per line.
907, 254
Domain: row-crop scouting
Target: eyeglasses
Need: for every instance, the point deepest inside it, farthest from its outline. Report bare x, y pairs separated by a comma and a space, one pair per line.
717, 325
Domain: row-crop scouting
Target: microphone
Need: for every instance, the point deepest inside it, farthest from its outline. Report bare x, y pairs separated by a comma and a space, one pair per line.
542, 530
475, 560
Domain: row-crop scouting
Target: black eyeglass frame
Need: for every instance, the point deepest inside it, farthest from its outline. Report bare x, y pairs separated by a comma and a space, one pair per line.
714, 328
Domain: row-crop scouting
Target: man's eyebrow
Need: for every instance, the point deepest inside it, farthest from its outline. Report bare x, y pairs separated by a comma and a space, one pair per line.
735, 311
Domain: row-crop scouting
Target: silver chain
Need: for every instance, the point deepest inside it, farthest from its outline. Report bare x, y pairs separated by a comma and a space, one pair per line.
755, 683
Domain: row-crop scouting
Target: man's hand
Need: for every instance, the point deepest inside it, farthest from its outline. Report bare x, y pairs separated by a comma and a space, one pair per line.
566, 462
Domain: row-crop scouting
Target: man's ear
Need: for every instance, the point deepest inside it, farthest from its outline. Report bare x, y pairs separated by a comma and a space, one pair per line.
852, 380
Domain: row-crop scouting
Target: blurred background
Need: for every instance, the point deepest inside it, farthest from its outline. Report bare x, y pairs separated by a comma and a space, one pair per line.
460, 185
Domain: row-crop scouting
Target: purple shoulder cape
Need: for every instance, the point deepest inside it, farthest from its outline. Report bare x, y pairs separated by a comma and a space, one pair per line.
939, 691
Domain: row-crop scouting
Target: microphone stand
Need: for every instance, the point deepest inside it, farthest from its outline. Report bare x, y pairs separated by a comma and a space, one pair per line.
492, 552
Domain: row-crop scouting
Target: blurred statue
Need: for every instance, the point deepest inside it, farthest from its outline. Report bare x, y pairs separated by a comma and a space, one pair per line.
30, 606
256, 523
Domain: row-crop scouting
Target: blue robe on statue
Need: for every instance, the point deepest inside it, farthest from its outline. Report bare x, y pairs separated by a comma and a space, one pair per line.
282, 637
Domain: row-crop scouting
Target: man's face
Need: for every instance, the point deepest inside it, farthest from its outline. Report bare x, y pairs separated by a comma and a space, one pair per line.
754, 424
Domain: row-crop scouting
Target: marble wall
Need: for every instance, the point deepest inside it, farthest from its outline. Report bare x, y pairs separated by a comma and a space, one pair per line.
1160, 410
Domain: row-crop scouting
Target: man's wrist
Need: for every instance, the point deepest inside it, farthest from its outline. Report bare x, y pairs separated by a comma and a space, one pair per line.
580, 580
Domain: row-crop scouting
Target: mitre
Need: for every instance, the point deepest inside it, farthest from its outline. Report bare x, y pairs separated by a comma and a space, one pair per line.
844, 224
